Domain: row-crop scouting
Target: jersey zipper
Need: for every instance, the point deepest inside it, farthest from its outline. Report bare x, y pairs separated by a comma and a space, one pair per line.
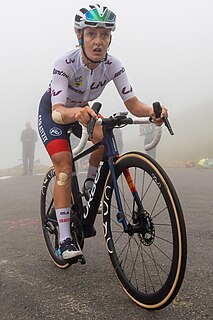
90, 79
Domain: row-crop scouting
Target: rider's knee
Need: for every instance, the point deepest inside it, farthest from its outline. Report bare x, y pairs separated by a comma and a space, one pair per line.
97, 134
63, 177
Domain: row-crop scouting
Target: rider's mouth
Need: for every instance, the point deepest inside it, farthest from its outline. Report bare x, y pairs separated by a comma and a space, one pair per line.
98, 50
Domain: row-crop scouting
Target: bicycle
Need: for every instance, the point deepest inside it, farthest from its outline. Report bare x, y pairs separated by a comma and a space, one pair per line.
143, 222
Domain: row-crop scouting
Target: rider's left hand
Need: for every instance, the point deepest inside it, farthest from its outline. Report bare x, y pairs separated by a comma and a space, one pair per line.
159, 121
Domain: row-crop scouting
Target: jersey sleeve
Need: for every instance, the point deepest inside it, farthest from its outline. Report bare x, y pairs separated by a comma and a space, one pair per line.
59, 83
121, 81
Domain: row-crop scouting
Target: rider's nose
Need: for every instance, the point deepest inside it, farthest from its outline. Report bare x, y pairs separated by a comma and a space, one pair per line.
98, 40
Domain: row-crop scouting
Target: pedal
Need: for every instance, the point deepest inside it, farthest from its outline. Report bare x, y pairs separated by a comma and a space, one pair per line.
75, 260
82, 260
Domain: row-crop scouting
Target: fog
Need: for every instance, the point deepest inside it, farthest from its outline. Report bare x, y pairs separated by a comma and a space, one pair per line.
166, 47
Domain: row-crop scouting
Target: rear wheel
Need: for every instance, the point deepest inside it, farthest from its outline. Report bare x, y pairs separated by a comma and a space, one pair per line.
150, 257
50, 225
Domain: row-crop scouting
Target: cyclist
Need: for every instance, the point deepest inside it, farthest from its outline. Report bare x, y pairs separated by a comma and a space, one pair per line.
80, 76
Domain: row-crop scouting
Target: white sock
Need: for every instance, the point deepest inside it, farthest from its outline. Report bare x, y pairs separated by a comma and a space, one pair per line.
90, 175
63, 218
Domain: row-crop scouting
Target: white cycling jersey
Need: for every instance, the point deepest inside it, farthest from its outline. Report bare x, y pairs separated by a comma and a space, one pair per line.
74, 84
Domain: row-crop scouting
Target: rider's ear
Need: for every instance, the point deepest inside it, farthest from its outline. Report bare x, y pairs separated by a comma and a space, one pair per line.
79, 36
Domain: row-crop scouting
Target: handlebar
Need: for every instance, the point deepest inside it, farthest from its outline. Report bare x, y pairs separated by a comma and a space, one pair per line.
120, 119
112, 121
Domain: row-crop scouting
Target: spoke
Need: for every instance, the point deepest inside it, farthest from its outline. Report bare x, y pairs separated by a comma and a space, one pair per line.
133, 265
163, 224
155, 204
146, 271
160, 212
145, 251
163, 239
125, 258
157, 247
120, 253
117, 223
116, 240
147, 189
155, 264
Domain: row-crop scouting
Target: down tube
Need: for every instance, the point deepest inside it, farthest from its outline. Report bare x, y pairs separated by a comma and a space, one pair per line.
95, 197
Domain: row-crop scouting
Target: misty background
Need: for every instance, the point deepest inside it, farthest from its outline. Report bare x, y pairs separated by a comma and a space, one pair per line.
166, 47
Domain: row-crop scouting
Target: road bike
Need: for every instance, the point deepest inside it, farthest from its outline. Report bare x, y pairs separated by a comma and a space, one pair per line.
143, 222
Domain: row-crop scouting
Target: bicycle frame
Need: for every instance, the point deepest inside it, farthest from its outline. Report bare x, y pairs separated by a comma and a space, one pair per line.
107, 165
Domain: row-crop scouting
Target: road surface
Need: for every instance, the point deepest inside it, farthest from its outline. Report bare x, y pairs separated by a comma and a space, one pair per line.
31, 286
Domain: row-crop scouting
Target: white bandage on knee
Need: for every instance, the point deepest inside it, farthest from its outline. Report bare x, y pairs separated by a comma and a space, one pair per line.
57, 117
62, 179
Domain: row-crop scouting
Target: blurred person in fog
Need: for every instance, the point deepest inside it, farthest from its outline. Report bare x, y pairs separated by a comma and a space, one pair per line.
28, 138
119, 139
148, 131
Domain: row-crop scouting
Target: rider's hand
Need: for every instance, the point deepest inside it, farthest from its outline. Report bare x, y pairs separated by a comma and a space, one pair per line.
159, 121
83, 115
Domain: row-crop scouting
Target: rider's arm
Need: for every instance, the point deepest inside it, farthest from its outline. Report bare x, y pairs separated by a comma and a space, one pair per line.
141, 109
138, 108
63, 115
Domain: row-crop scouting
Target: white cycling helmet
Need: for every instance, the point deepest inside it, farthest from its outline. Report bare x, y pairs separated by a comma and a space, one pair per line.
95, 16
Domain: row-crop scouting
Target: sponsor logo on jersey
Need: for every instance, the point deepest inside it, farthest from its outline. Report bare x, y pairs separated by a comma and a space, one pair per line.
68, 61
76, 90
96, 86
78, 82
119, 72
108, 62
55, 132
74, 101
125, 91
54, 93
41, 129
60, 73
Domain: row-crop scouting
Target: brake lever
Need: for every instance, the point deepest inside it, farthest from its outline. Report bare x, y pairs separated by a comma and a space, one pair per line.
90, 126
168, 125
157, 110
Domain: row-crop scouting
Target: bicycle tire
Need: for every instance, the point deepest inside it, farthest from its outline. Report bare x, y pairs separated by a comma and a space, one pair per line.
150, 266
50, 225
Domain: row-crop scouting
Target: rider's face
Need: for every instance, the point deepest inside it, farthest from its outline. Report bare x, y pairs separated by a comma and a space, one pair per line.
96, 42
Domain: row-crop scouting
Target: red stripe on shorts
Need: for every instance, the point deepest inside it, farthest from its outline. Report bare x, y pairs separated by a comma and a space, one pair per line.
56, 146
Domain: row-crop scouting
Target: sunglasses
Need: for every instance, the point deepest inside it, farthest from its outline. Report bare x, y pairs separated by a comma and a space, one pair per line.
108, 17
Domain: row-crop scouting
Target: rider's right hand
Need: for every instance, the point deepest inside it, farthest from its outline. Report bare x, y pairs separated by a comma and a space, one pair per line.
83, 115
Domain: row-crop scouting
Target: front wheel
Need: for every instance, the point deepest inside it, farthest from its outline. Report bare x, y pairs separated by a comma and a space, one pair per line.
149, 257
